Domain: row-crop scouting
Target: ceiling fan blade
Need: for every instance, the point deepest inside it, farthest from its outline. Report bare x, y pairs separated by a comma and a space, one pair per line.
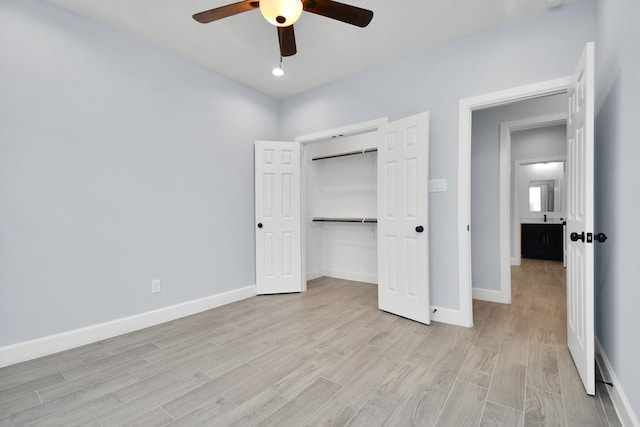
342, 12
225, 11
287, 39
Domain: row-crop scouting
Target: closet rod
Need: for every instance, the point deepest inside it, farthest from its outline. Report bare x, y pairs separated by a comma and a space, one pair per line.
349, 153
354, 220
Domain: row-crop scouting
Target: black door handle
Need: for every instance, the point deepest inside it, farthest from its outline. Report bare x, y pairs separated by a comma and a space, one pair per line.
419, 229
575, 236
259, 225
600, 237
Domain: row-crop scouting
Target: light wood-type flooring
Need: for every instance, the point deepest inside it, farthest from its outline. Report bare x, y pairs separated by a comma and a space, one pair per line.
327, 357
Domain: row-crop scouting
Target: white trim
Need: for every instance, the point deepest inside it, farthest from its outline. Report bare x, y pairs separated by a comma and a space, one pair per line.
466, 107
492, 295
619, 398
452, 317
355, 129
44, 346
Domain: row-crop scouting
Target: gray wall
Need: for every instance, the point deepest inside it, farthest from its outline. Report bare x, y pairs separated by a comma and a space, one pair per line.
485, 181
542, 47
119, 164
617, 201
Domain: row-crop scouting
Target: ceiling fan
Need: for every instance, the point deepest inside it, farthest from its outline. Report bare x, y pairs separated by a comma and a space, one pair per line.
284, 13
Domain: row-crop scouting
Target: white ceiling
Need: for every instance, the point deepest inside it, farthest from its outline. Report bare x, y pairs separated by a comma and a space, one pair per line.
245, 47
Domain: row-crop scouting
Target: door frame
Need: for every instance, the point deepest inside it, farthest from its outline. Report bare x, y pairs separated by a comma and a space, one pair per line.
466, 108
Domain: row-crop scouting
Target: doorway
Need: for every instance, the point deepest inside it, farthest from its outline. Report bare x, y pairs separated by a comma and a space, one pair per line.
495, 217
467, 107
580, 89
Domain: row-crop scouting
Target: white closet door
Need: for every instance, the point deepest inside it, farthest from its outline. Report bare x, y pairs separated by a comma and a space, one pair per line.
580, 220
403, 223
277, 193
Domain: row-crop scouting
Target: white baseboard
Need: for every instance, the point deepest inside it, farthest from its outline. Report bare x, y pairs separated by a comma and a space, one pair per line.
618, 397
350, 275
44, 346
516, 261
447, 315
491, 295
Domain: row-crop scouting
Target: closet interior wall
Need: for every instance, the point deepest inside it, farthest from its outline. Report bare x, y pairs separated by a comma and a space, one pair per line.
341, 187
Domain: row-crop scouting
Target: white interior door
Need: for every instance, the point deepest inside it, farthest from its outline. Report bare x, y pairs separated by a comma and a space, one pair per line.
580, 140
277, 193
403, 223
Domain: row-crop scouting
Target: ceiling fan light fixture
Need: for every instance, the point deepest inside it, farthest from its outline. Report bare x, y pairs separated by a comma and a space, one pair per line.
281, 13
278, 71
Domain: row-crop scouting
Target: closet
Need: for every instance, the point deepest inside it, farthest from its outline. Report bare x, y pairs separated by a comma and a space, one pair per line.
340, 206
350, 203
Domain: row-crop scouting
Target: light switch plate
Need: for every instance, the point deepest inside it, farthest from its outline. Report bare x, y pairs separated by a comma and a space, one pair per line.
436, 185
155, 286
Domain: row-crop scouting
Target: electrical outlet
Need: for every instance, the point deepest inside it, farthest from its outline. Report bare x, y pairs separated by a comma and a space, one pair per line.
155, 286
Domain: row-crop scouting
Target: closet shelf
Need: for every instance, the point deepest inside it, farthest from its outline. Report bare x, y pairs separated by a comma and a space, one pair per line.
351, 220
348, 153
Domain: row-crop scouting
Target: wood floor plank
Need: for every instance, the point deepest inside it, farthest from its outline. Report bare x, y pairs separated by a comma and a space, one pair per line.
154, 418
245, 390
542, 369
30, 386
479, 366
509, 377
501, 416
217, 407
152, 398
543, 409
249, 414
303, 376
332, 414
352, 365
19, 403
364, 383
421, 408
78, 414
444, 370
464, 405
298, 410
205, 393
71, 401
377, 411
404, 375
109, 361
61, 389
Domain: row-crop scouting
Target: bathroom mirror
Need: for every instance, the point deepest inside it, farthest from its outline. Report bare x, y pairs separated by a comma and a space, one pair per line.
544, 196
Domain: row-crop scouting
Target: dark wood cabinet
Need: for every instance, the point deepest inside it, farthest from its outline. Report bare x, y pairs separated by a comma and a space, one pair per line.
542, 241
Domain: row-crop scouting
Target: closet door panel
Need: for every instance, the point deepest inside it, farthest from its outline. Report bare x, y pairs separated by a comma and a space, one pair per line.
403, 242
278, 226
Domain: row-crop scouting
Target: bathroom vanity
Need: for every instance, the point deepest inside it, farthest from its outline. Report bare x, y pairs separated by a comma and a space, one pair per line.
542, 241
